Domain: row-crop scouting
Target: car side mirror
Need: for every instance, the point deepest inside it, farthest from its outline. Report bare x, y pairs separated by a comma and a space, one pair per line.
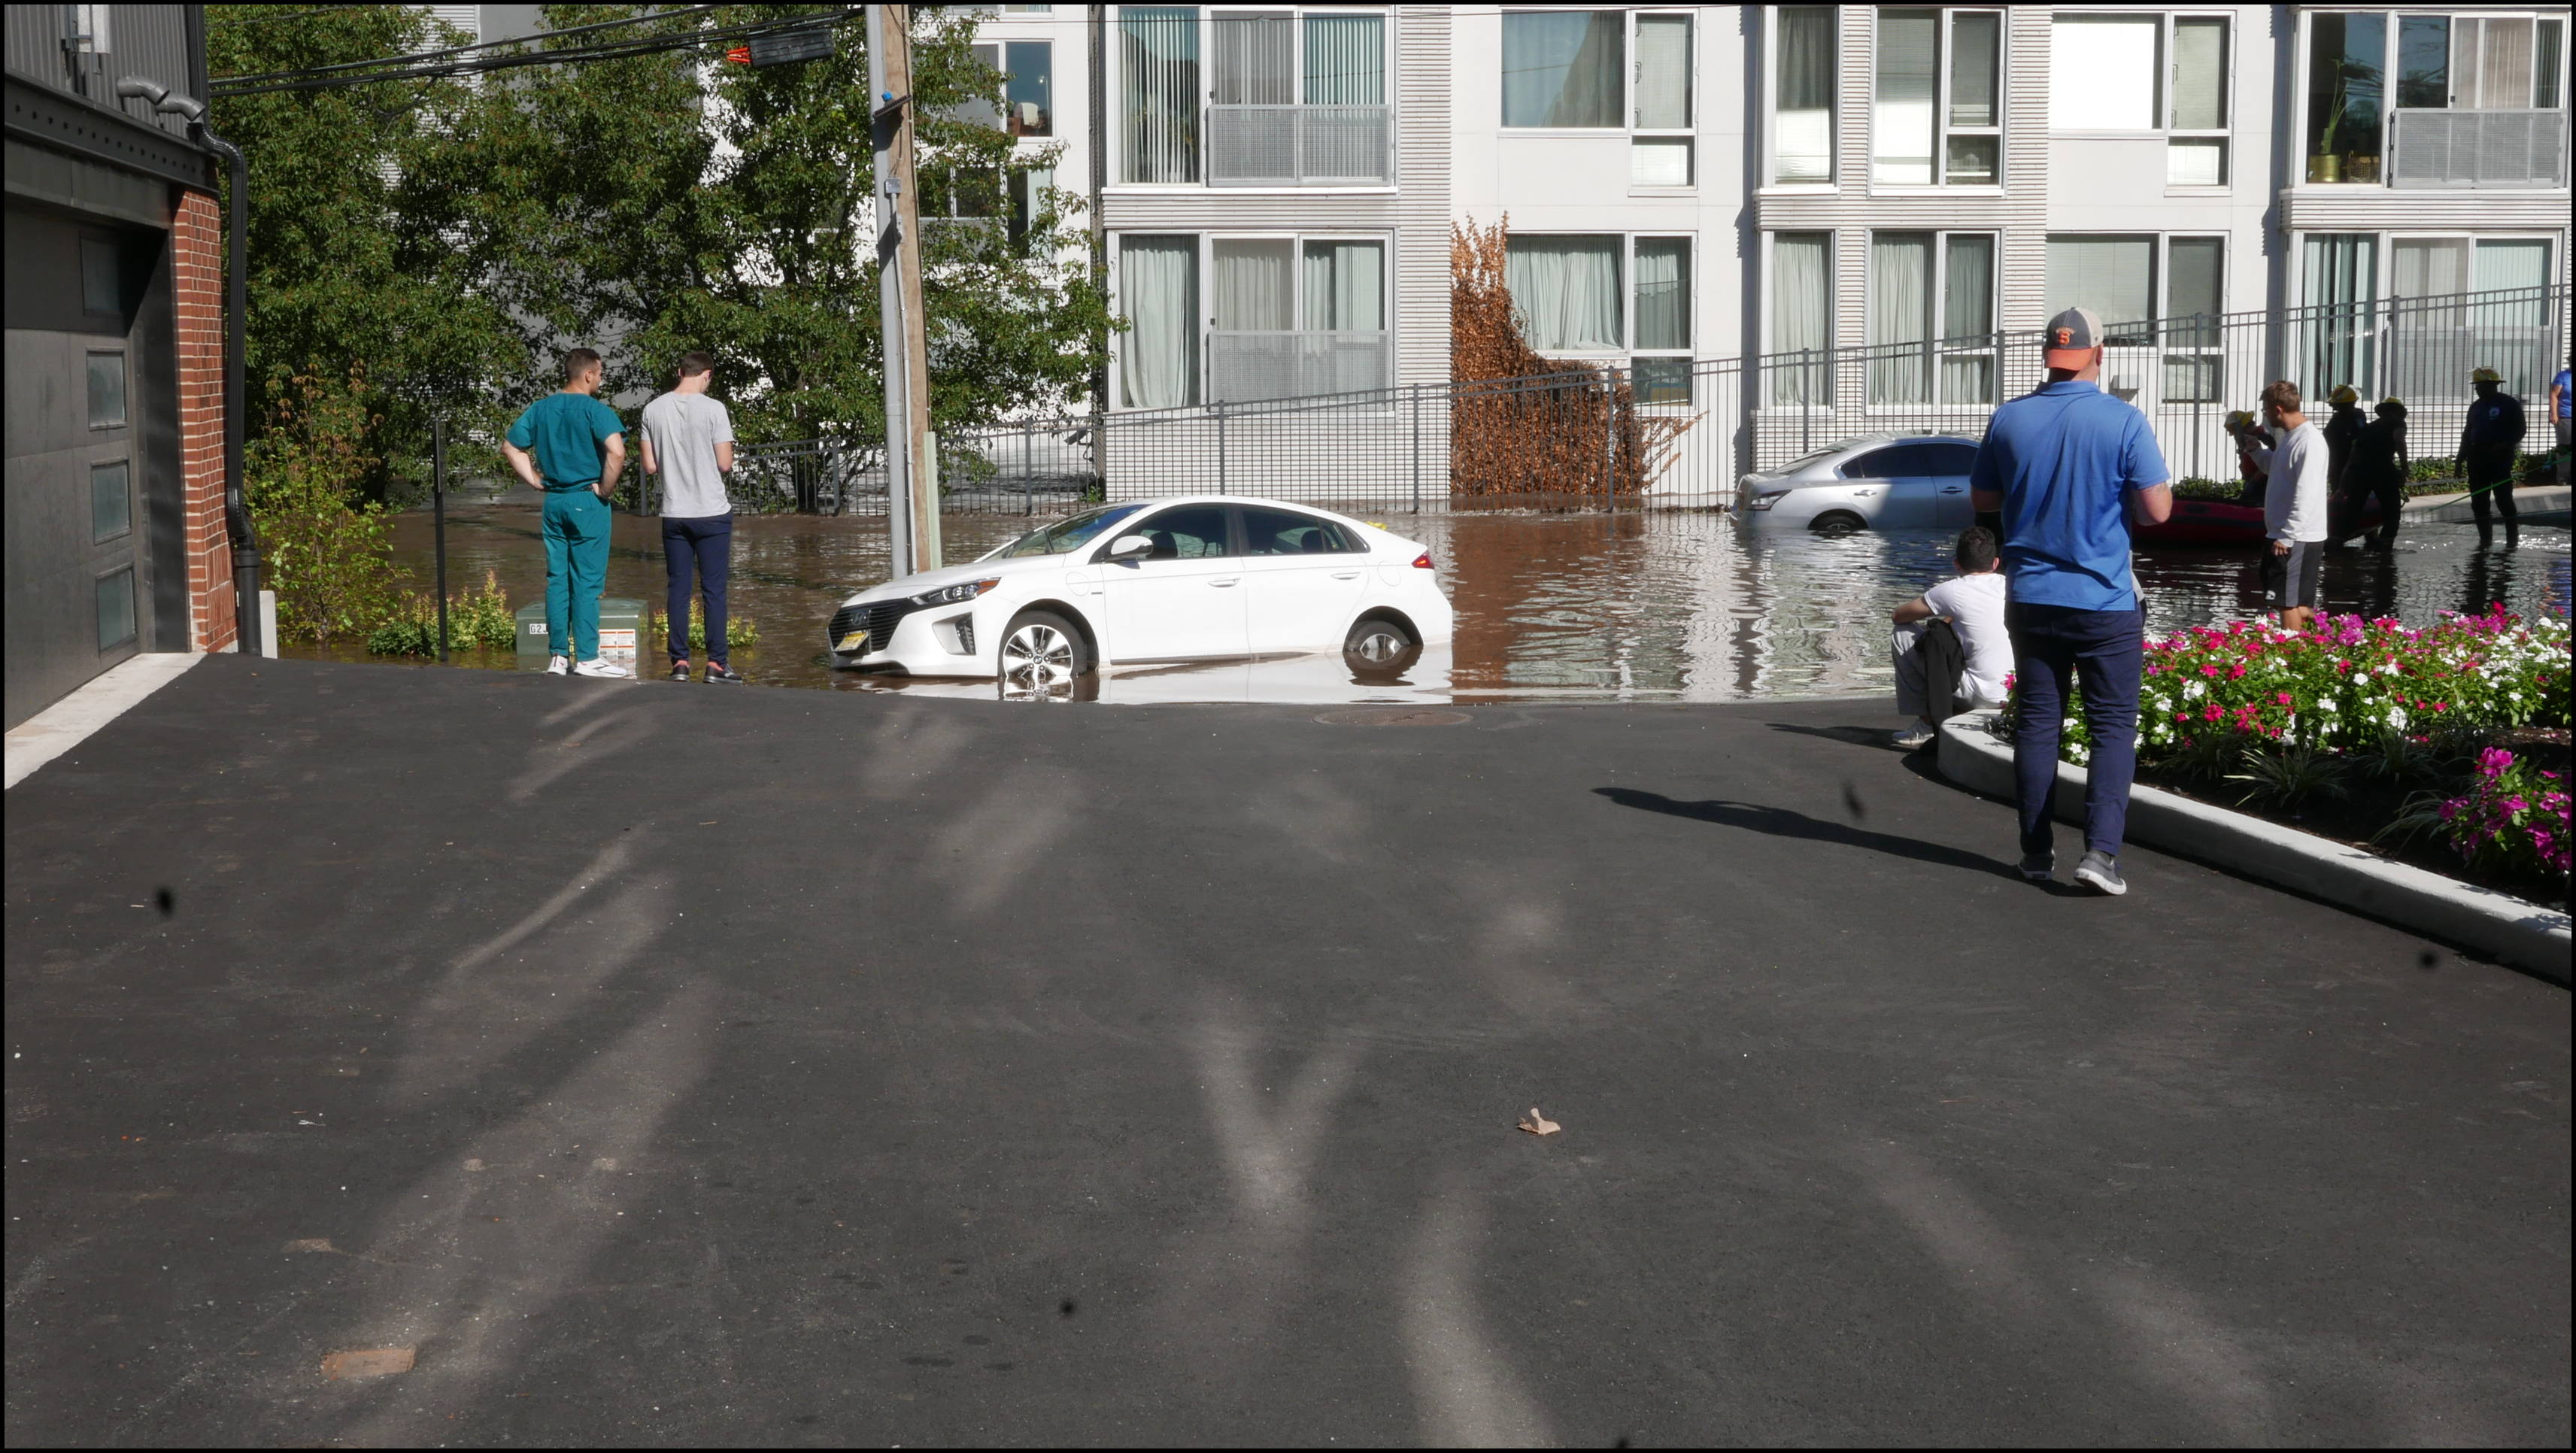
1130, 547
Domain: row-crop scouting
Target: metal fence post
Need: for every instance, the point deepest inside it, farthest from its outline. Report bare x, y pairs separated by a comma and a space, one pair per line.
1028, 470
1417, 448
1610, 437
1220, 447
438, 515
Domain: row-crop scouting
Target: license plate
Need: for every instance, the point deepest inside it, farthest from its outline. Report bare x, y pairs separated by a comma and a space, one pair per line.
853, 641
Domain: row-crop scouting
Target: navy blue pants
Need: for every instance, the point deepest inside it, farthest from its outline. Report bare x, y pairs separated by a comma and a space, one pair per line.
705, 543
2102, 650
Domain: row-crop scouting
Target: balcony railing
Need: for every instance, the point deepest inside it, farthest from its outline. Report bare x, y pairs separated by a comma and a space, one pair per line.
1244, 367
2479, 149
1301, 146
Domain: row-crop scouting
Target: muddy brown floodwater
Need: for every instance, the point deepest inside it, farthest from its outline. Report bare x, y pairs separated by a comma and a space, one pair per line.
1663, 605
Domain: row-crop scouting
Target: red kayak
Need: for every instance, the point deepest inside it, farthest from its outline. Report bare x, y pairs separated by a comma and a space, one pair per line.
2212, 522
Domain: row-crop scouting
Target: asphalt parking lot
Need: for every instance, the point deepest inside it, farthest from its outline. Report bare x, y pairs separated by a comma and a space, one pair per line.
681, 1065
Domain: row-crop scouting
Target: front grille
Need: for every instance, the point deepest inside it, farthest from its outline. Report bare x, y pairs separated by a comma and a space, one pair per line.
877, 618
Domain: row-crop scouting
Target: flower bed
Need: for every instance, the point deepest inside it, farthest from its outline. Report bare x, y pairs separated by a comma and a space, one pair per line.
2456, 732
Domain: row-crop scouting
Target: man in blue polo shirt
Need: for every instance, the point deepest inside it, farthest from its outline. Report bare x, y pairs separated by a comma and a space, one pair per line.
571, 447
2067, 466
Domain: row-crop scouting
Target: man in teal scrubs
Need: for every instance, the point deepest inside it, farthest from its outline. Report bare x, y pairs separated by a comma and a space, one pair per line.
579, 447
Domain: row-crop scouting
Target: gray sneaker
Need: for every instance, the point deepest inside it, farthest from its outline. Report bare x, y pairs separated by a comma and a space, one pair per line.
1918, 735
2039, 867
2101, 872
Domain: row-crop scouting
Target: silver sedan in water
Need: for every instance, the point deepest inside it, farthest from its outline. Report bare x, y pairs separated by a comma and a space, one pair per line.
1880, 482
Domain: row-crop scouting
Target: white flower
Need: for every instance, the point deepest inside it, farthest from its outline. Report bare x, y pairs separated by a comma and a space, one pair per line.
2195, 691
2326, 705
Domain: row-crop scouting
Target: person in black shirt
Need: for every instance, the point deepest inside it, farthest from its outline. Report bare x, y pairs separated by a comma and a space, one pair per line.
2376, 469
2489, 442
2341, 427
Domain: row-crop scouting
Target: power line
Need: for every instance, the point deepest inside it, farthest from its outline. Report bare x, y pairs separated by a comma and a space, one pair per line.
427, 56
454, 62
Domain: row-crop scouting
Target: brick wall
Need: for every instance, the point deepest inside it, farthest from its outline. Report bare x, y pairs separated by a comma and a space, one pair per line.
197, 259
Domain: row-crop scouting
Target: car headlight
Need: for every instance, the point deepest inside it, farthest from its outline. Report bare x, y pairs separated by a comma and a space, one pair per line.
1766, 500
963, 590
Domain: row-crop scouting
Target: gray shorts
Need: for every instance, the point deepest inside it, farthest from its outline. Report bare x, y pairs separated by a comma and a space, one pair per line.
2290, 581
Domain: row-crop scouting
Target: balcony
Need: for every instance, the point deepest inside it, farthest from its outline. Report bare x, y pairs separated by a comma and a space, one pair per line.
2516, 149
1301, 146
1245, 367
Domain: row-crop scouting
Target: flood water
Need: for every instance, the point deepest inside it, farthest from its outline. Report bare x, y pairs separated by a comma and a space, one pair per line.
1662, 605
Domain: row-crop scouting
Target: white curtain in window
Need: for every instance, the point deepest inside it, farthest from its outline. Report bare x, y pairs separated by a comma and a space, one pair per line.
1968, 319
2195, 281
2113, 276
1158, 285
2102, 73
1345, 287
1563, 67
1663, 72
2340, 278
2497, 76
1345, 60
1900, 313
2515, 264
1566, 290
1802, 142
1801, 298
2430, 267
1254, 58
1908, 81
2514, 334
1663, 293
2200, 74
1158, 57
1250, 284
1976, 53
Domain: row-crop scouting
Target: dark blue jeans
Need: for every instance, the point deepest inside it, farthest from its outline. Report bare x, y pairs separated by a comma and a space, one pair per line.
2102, 650
707, 544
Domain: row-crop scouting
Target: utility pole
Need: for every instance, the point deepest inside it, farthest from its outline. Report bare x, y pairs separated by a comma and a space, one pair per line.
912, 479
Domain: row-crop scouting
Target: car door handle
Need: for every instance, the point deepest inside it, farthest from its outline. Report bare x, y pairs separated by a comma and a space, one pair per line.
1346, 575
1229, 580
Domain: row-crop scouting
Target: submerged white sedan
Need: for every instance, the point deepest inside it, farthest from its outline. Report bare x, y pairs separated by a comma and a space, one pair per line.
1194, 578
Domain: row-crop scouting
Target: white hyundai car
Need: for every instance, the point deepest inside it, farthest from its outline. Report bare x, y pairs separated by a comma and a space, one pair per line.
1195, 578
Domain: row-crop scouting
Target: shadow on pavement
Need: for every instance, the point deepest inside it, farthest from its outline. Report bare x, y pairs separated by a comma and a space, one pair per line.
1855, 736
1781, 822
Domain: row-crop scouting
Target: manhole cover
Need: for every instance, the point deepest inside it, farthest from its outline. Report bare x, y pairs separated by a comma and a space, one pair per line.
1392, 716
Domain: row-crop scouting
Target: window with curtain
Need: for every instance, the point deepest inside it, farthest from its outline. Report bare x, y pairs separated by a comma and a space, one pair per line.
1900, 316
1345, 60
1662, 102
1663, 320
1937, 103
2338, 328
1252, 285
1907, 91
2548, 46
2493, 67
1254, 59
2195, 284
2199, 103
2102, 72
1345, 286
1158, 292
1802, 121
1566, 290
2347, 57
1800, 297
2514, 334
1968, 319
1972, 147
1564, 68
2113, 276
1158, 55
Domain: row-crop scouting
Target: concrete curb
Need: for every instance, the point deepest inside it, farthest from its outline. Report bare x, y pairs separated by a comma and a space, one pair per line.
2525, 935
68, 722
2528, 501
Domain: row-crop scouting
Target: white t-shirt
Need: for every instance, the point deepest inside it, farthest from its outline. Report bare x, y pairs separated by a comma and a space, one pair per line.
2294, 502
685, 430
1975, 606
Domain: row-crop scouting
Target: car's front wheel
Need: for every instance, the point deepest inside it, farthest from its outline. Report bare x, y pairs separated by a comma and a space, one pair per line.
1042, 655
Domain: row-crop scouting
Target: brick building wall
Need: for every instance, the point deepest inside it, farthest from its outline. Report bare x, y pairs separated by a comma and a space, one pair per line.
197, 262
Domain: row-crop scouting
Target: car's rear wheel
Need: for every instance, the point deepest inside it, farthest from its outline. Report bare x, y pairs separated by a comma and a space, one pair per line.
1042, 657
1837, 522
1378, 643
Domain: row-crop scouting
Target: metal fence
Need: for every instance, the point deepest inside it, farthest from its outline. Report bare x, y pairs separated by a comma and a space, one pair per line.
1608, 436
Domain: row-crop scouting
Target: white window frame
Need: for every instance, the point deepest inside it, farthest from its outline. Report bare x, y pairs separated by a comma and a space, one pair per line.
1771, 105
1628, 352
1689, 134
1938, 286
1942, 130
1628, 62
2384, 265
1689, 351
2167, 321
1113, 88
1770, 296
2388, 107
1205, 322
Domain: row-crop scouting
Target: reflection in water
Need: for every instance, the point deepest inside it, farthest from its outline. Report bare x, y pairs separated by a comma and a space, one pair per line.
1663, 605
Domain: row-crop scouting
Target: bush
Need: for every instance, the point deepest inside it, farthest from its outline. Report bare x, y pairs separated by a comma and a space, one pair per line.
326, 552
740, 629
2513, 820
476, 619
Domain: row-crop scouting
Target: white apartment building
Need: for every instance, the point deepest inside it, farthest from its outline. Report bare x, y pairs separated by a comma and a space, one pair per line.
1277, 182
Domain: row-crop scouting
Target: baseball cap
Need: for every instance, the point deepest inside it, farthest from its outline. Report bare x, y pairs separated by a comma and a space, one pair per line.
2072, 337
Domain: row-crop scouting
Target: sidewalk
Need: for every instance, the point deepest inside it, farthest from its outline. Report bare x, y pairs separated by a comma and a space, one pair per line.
2537, 504
660, 1064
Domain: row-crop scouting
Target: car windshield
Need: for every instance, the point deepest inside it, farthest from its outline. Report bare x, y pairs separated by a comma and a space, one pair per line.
1066, 535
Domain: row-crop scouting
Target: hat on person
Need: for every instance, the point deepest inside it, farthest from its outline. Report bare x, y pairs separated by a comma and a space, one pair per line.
2239, 418
2391, 407
2345, 393
2072, 337
2486, 375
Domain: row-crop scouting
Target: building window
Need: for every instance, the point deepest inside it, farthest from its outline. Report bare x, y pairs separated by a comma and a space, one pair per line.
1938, 113
1028, 88
2436, 336
2347, 56
1567, 292
1932, 318
1292, 98
115, 603
1801, 296
107, 390
2196, 151
1804, 58
102, 277
2195, 296
1660, 364
1158, 289
1607, 70
1158, 72
2115, 277
2122, 280
1660, 154
2337, 331
111, 501
2145, 73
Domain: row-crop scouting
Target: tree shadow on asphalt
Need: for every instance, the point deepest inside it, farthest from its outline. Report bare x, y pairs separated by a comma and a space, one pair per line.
1782, 822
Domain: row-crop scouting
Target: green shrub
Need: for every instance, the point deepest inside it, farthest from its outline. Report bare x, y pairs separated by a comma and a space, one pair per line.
740, 629
327, 553
478, 619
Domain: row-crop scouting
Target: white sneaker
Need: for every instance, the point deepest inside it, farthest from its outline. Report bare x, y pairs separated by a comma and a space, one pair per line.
558, 665
599, 666
1917, 735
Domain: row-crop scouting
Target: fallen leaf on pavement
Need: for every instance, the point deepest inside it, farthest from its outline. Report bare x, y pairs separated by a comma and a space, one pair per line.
1537, 1124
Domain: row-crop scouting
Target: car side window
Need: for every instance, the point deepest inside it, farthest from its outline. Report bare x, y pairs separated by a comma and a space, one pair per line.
1190, 532
1949, 456
1279, 532
1876, 464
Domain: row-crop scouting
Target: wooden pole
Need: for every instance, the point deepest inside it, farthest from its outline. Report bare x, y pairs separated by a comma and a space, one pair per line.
912, 482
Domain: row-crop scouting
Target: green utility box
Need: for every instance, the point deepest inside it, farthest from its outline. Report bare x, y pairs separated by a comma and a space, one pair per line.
621, 631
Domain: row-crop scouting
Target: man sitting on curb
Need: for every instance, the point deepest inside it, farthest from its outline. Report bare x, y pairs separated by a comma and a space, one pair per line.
1951, 645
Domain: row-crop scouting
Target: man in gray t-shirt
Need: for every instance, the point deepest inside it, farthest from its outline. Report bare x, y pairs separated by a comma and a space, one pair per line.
688, 446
